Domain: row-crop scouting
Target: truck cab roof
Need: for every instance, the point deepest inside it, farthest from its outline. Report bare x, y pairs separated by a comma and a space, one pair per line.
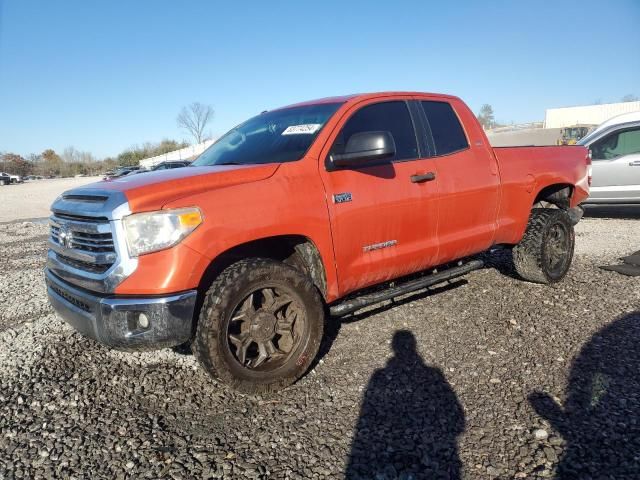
356, 97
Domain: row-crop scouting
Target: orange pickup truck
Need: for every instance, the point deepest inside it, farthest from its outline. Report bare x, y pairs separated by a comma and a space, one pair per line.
291, 216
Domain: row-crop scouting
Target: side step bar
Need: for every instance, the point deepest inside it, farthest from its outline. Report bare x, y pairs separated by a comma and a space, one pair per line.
351, 305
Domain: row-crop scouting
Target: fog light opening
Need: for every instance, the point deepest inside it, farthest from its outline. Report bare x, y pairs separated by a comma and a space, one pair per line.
143, 321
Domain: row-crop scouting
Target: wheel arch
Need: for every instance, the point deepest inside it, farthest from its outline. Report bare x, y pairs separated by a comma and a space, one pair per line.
298, 251
556, 195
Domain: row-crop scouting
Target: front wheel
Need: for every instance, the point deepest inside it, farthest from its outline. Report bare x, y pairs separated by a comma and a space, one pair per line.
545, 252
260, 326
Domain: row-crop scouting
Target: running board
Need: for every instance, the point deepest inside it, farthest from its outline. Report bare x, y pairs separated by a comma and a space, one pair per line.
349, 306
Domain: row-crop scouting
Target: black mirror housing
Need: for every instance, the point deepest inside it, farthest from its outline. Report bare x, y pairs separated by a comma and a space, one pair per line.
363, 147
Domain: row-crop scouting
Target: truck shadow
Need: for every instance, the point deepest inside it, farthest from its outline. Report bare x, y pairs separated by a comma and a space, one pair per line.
500, 259
600, 418
333, 324
409, 421
407, 298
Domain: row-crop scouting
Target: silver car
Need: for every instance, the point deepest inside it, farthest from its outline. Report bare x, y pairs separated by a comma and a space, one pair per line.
615, 155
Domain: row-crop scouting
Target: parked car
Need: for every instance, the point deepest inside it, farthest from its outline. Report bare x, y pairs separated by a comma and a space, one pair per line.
164, 166
171, 164
121, 172
615, 151
5, 178
299, 211
12, 178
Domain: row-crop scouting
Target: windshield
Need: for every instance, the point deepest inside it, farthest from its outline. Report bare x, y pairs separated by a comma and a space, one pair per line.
271, 137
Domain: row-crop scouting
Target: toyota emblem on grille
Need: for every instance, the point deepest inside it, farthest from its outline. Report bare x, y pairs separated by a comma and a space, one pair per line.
65, 236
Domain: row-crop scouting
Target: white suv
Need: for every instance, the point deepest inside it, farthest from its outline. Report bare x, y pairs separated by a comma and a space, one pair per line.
12, 178
615, 153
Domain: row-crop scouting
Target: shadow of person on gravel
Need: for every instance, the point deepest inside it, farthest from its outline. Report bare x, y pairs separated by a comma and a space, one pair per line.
409, 421
600, 420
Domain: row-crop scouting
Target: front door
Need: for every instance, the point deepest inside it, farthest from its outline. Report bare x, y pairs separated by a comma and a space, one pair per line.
383, 223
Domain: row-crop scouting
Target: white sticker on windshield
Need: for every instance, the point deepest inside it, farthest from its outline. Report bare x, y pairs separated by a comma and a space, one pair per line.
306, 129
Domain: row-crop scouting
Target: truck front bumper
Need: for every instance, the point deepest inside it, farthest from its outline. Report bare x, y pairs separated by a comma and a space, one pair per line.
124, 323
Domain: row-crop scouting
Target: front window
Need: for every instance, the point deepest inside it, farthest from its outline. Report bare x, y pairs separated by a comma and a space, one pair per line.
391, 117
272, 137
617, 145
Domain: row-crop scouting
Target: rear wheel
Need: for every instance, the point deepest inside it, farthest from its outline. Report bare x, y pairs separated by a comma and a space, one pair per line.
545, 252
260, 326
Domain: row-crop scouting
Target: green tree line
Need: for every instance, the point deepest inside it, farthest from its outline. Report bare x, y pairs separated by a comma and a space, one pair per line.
73, 162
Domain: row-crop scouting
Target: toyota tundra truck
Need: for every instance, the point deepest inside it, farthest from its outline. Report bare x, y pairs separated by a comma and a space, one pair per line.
301, 214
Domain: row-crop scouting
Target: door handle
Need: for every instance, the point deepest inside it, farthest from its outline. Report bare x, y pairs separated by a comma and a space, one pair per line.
635, 163
427, 177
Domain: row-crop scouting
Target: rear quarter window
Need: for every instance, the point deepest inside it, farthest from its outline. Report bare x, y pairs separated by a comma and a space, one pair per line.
448, 134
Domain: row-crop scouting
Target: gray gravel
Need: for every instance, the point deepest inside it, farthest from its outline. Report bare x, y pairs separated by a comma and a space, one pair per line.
492, 378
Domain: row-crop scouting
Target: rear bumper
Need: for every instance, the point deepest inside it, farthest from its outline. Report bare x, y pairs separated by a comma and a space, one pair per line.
119, 322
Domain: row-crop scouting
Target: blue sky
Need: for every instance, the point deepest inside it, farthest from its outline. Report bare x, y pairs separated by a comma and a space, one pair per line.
105, 75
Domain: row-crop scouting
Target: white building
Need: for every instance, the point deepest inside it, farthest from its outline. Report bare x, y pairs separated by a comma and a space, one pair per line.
588, 114
186, 153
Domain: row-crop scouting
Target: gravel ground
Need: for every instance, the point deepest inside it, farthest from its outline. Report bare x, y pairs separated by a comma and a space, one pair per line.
32, 199
490, 377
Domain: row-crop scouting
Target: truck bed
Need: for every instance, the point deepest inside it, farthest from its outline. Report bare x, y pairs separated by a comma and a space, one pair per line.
523, 172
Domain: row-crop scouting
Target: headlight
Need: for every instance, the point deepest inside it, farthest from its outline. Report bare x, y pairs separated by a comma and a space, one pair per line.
152, 231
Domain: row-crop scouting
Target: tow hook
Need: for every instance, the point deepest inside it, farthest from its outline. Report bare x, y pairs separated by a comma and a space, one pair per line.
575, 214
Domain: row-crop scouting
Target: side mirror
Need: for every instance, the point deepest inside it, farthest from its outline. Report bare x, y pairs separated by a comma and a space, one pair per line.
365, 146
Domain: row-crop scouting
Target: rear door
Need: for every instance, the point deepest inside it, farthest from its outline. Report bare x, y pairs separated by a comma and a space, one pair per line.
468, 180
383, 222
616, 166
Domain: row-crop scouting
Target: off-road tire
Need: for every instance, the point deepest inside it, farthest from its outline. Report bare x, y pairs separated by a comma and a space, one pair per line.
211, 345
531, 257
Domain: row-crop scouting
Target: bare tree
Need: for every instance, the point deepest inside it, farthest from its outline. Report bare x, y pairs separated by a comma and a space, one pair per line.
194, 119
485, 117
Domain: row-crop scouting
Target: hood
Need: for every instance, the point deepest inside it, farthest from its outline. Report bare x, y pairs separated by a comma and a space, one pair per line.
153, 190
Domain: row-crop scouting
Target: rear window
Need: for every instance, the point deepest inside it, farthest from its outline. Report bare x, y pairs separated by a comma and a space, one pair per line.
448, 135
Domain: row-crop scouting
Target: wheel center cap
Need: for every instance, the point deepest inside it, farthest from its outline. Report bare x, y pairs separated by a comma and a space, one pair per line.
263, 326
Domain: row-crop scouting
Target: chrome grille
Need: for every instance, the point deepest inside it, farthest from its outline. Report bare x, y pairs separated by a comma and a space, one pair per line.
92, 242
87, 266
82, 242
